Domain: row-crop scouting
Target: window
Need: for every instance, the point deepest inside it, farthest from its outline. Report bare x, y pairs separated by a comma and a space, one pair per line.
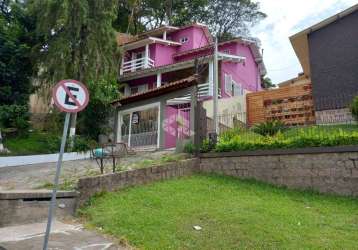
227, 51
139, 89
237, 89
228, 84
232, 88
184, 40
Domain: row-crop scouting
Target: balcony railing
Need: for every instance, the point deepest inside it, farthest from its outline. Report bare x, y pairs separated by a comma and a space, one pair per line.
204, 90
136, 64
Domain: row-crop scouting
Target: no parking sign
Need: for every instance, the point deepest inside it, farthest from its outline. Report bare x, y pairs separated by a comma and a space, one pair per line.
69, 96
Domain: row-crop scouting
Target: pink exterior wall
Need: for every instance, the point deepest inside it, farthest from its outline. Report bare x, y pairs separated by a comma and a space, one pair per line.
246, 74
163, 54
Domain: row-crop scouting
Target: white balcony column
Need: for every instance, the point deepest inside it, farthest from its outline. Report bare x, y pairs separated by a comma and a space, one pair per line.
119, 127
159, 79
122, 64
211, 78
130, 129
146, 56
165, 35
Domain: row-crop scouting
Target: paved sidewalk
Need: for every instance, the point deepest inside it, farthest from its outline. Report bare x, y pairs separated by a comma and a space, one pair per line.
63, 236
37, 175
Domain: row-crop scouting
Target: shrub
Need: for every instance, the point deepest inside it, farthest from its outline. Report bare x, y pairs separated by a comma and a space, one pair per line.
14, 116
304, 137
269, 128
189, 148
354, 108
81, 144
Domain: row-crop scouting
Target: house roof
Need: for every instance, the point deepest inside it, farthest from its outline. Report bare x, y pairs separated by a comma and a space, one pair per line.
142, 42
124, 39
299, 41
255, 49
159, 31
155, 92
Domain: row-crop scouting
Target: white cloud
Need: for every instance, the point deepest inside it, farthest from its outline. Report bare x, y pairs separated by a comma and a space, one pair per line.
285, 18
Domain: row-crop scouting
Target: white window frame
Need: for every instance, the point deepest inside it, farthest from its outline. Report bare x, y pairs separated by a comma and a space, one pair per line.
228, 84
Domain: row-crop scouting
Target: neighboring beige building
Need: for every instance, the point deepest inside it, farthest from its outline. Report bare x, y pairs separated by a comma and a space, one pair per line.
300, 79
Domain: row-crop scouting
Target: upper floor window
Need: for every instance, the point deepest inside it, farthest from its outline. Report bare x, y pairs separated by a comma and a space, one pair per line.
227, 51
183, 40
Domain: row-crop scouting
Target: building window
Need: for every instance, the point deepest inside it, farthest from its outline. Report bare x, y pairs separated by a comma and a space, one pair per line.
184, 40
139, 89
232, 88
228, 84
227, 51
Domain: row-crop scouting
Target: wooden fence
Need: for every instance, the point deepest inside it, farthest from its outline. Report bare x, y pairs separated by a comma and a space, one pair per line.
292, 104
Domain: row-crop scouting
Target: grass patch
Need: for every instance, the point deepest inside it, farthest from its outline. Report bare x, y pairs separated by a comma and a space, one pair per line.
152, 162
66, 185
233, 214
32, 143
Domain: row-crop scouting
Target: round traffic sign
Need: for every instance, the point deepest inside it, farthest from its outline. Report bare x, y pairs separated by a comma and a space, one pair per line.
70, 96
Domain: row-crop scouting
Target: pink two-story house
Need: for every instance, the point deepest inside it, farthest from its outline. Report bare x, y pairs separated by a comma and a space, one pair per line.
157, 71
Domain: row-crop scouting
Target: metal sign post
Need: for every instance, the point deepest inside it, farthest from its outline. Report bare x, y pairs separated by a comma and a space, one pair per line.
69, 96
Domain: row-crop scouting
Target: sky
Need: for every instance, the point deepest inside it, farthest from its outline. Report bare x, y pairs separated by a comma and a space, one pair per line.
284, 19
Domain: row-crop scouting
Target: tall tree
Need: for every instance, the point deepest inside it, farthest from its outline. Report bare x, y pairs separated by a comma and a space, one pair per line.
228, 18
78, 41
225, 18
16, 40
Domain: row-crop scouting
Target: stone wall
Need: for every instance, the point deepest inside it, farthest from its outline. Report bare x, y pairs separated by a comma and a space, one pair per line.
112, 182
330, 172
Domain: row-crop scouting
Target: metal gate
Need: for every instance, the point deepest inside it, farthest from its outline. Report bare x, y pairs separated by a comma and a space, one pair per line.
140, 129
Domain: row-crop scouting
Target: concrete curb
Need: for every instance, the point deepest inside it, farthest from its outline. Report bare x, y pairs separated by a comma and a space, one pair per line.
11, 161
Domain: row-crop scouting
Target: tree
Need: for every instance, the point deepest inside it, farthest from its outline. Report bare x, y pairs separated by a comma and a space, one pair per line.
232, 17
266, 83
16, 40
225, 18
77, 41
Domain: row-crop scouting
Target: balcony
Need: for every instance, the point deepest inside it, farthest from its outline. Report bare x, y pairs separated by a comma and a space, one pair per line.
204, 90
136, 64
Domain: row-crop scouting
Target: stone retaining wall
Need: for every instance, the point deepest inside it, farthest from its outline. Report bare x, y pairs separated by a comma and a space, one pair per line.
335, 173
112, 182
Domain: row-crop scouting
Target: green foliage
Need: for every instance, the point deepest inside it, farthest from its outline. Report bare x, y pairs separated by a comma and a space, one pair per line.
14, 116
152, 162
33, 143
269, 128
77, 40
226, 18
94, 119
354, 107
81, 144
189, 148
205, 147
266, 83
53, 122
293, 138
233, 214
16, 40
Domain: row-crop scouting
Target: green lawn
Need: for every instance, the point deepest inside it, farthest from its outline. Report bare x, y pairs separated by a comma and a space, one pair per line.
233, 214
32, 143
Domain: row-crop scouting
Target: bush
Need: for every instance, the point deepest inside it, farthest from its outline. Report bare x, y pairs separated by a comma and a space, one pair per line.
354, 108
81, 144
269, 128
14, 116
304, 137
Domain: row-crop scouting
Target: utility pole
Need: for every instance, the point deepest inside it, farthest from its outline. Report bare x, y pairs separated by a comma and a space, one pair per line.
215, 88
